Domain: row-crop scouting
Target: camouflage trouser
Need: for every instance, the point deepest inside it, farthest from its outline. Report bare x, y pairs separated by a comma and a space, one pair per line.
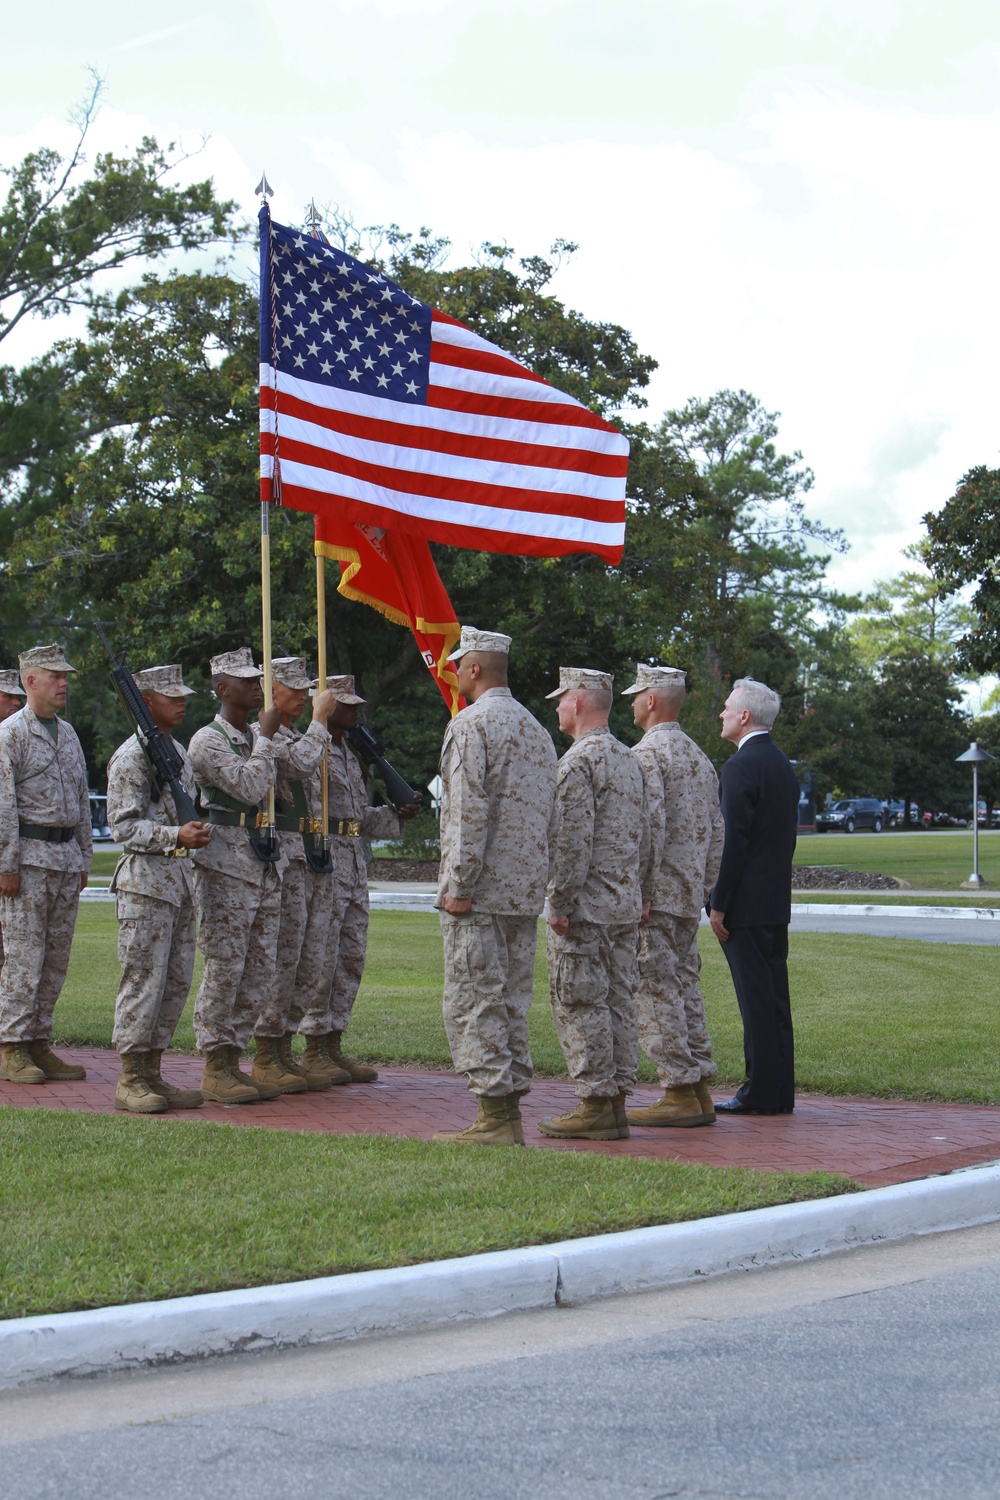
38, 934
489, 966
592, 977
348, 946
238, 938
273, 1018
309, 1013
156, 952
672, 1026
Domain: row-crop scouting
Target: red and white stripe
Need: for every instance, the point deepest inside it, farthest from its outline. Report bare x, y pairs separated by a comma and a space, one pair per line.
498, 459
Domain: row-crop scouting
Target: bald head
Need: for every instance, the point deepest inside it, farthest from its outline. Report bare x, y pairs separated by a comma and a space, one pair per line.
660, 704
480, 670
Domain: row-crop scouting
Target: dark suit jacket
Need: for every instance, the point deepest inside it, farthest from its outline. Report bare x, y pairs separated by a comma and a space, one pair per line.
759, 793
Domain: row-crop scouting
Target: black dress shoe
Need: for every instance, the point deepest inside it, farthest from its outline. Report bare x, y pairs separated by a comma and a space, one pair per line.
738, 1107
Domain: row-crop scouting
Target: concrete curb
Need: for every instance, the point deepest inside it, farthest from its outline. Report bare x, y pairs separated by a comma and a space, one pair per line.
858, 909
479, 1286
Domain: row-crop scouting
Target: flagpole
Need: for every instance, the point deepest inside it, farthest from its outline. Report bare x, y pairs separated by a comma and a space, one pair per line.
263, 191
321, 670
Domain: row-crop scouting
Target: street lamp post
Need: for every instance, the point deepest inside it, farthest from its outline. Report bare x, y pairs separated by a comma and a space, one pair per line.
976, 757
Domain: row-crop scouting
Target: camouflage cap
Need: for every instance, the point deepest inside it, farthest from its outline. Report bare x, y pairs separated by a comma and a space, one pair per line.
291, 672
648, 678
343, 687
10, 683
237, 663
49, 658
480, 640
166, 680
571, 678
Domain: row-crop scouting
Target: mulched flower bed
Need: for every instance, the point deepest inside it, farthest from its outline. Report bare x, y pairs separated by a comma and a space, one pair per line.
402, 869
833, 878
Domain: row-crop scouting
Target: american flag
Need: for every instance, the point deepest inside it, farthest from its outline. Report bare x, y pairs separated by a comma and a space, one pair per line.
378, 409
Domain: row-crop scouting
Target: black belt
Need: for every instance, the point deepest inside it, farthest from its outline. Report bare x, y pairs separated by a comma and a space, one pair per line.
47, 835
347, 827
250, 819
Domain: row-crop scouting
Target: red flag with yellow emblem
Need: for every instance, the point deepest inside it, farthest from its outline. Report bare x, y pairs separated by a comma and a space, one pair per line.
396, 575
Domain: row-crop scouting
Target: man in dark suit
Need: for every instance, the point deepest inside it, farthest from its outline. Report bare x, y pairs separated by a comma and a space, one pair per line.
752, 899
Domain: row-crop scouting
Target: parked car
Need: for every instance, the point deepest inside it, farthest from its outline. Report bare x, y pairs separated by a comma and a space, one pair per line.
99, 818
895, 812
851, 813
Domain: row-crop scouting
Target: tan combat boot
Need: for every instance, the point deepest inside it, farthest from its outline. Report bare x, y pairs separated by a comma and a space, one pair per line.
176, 1098
706, 1102
16, 1064
133, 1092
52, 1066
679, 1106
263, 1090
269, 1069
497, 1123
592, 1120
359, 1072
620, 1104
287, 1056
317, 1063
221, 1084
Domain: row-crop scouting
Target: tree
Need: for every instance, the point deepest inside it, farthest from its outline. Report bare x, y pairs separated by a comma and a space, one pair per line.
757, 541
964, 548
910, 615
58, 231
915, 714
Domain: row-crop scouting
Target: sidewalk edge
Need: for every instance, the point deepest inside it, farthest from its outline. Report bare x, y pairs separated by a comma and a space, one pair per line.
479, 1286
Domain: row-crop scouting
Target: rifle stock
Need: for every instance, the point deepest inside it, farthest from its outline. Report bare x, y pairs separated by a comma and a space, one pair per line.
370, 751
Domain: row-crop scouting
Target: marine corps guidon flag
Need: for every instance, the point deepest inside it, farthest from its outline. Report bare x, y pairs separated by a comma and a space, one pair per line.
381, 412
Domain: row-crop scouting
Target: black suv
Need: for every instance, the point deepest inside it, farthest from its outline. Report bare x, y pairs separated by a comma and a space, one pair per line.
850, 813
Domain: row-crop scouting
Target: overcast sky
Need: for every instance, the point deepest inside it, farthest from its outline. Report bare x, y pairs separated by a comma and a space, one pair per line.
793, 196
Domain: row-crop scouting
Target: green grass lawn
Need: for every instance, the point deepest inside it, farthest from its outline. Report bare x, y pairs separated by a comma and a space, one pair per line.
880, 1016
99, 1210
929, 861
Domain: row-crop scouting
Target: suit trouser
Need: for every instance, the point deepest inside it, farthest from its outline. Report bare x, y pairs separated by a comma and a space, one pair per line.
238, 938
758, 962
672, 1027
38, 933
592, 977
489, 966
156, 952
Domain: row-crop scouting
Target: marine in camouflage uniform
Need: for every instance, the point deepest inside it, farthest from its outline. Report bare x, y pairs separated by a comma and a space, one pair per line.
686, 838
498, 769
352, 819
594, 906
298, 758
11, 693
237, 894
154, 896
45, 853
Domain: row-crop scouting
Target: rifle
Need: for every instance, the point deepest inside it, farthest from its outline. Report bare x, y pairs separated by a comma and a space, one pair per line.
370, 750
164, 762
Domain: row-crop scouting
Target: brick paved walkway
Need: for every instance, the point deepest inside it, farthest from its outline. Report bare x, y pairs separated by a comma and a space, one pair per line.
874, 1141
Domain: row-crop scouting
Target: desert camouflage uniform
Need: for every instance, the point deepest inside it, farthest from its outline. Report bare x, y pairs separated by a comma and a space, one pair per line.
349, 918
498, 766
686, 835
43, 783
237, 895
298, 756
597, 852
154, 896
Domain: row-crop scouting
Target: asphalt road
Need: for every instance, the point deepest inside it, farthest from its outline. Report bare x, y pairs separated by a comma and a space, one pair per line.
922, 930
867, 1375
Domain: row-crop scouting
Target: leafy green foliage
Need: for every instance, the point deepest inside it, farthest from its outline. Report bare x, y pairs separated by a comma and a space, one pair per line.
964, 548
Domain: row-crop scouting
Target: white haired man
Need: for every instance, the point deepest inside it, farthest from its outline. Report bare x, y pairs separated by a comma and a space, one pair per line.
45, 852
751, 903
686, 833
